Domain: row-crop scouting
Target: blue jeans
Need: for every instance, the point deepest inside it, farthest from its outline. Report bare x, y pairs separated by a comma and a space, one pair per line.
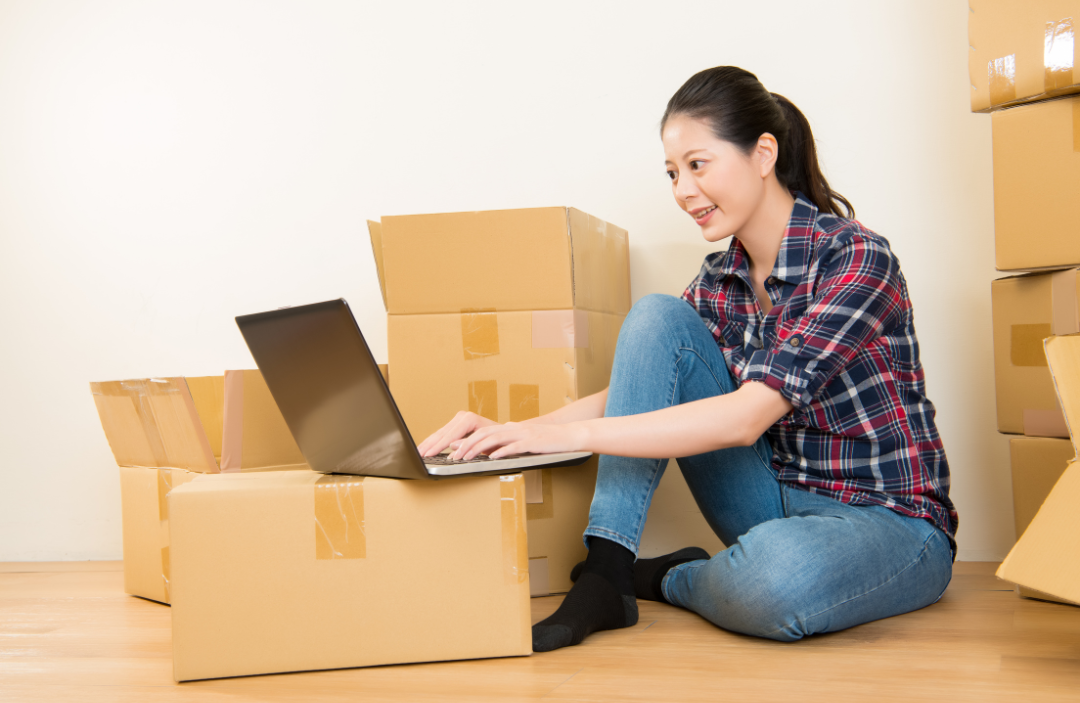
797, 563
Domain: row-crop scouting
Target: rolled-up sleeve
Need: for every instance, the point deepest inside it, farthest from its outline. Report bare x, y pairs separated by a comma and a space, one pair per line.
858, 297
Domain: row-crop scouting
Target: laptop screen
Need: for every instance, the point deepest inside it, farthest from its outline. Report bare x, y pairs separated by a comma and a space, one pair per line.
330, 391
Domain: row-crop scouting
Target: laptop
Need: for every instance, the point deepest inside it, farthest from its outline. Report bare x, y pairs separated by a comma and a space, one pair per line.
337, 405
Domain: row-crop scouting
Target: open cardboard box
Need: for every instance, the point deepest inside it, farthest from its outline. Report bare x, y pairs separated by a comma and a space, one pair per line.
1046, 558
331, 571
1021, 51
510, 314
1027, 309
163, 433
1036, 177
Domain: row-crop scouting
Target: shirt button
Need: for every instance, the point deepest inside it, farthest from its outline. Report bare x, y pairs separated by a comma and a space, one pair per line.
795, 341
770, 280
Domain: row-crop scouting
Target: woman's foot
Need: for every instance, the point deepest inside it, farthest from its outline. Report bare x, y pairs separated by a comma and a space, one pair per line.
649, 573
602, 599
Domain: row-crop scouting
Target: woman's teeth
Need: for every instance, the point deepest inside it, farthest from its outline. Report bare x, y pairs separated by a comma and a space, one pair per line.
704, 213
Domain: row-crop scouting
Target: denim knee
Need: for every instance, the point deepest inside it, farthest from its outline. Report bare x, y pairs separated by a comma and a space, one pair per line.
658, 317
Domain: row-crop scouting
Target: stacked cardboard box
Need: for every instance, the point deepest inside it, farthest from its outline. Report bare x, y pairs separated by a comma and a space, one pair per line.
1022, 55
164, 432
510, 314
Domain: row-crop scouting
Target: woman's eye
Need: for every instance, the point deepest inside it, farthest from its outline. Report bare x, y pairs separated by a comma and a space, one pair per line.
695, 165
671, 175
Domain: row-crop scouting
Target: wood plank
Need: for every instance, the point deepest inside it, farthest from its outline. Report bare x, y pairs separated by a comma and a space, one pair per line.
72, 634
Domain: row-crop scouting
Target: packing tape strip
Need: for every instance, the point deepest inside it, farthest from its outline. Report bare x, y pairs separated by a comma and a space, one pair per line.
339, 518
560, 329
514, 536
1026, 344
1063, 302
232, 426
524, 402
545, 508
1045, 423
139, 392
1059, 47
165, 481
479, 334
484, 399
1002, 75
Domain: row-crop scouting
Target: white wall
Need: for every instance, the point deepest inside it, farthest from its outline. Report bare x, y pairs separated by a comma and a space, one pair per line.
166, 166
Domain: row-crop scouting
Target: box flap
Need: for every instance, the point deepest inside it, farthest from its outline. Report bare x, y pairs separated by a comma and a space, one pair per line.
375, 234
255, 436
1047, 556
154, 423
1063, 355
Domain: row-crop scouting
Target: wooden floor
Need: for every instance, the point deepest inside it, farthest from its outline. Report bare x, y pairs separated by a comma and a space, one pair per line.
74, 636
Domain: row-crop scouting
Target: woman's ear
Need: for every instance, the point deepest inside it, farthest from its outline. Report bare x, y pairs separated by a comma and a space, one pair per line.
767, 152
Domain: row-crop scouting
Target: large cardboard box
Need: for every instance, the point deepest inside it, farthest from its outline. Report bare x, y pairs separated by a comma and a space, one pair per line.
511, 314
1021, 50
164, 432
1028, 309
1046, 558
1036, 178
1037, 464
326, 572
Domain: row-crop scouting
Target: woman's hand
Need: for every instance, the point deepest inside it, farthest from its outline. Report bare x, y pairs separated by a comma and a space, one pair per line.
463, 425
498, 441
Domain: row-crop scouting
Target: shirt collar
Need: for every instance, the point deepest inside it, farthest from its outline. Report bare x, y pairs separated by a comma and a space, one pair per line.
795, 248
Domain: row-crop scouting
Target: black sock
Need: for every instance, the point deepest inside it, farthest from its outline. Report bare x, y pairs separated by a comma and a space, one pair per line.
649, 573
601, 599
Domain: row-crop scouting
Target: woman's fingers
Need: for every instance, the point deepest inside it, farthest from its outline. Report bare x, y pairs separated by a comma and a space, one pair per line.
462, 425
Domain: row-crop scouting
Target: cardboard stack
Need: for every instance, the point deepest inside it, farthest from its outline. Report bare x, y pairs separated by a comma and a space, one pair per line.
164, 432
271, 567
1021, 63
510, 314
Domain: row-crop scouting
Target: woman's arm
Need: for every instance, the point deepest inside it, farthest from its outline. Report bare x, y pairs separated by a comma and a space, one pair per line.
465, 423
732, 420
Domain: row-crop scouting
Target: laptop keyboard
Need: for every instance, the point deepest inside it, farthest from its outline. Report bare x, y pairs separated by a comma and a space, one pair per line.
445, 460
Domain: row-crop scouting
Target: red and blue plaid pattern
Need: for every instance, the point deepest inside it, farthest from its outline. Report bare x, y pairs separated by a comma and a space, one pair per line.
839, 344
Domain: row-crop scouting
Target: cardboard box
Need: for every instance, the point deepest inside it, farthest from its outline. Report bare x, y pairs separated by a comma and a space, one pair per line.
1036, 177
164, 432
1028, 309
331, 571
1037, 464
1046, 558
1021, 51
519, 317
555, 258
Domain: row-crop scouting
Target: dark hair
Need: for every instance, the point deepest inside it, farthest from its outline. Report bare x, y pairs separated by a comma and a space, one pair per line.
740, 110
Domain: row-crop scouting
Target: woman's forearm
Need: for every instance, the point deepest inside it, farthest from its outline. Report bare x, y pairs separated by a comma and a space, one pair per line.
588, 408
732, 420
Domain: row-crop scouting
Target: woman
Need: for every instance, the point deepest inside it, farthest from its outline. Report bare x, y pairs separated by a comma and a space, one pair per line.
788, 379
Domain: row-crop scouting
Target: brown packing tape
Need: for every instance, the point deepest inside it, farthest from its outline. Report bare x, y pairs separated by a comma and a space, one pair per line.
1045, 423
1002, 74
339, 518
479, 334
1063, 302
545, 509
232, 444
182, 436
164, 484
1026, 344
484, 399
514, 535
1058, 51
524, 402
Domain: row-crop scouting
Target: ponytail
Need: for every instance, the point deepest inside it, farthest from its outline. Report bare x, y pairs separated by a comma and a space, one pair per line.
740, 110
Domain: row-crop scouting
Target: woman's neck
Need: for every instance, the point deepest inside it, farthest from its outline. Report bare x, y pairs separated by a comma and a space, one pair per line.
764, 231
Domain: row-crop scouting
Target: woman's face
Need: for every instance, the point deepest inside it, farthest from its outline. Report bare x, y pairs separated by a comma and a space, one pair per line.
712, 180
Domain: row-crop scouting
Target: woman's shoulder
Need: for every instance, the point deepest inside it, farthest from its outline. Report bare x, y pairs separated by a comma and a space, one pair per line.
835, 235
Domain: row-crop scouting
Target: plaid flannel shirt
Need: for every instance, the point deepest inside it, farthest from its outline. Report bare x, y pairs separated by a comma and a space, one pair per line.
839, 344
